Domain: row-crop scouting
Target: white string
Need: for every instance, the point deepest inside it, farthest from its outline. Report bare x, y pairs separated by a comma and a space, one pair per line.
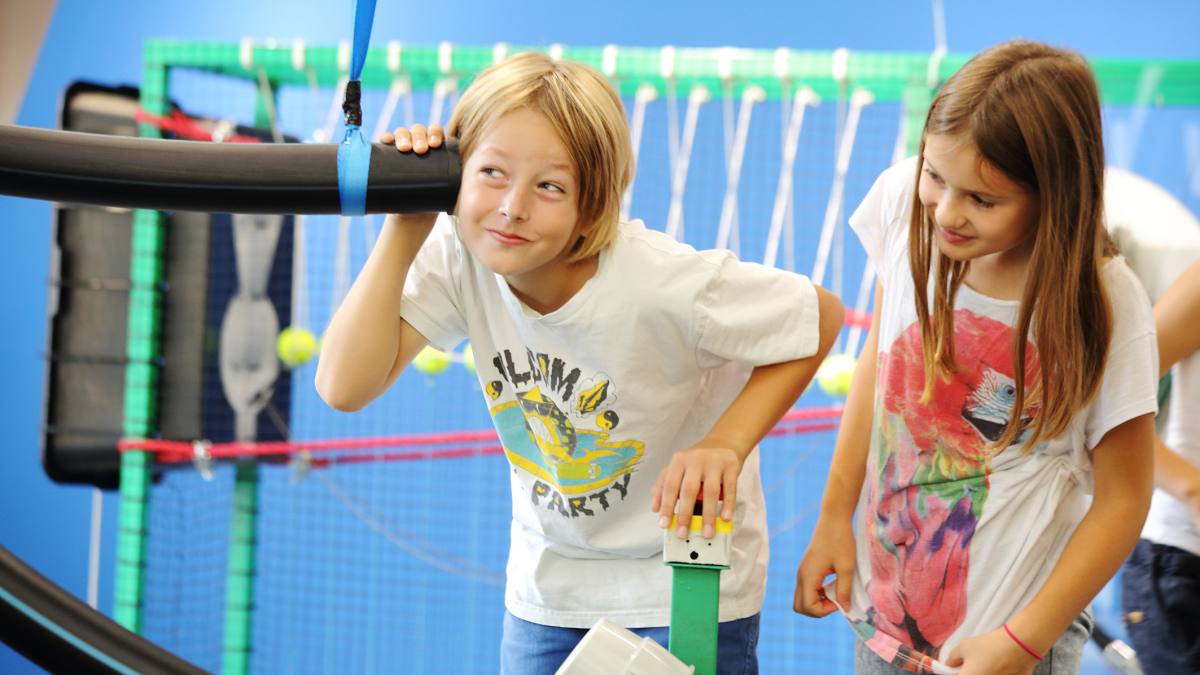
939, 27
1191, 144
698, 96
1127, 133
644, 95
370, 231
667, 67
727, 228
833, 209
860, 308
299, 274
94, 539
412, 542
341, 266
783, 191
867, 284
268, 98
401, 86
725, 69
334, 116
440, 90
900, 148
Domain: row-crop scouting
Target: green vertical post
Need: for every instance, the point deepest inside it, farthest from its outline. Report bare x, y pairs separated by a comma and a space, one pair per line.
239, 584
243, 535
695, 597
141, 373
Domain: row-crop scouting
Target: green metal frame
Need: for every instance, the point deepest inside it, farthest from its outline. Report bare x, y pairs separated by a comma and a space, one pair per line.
891, 77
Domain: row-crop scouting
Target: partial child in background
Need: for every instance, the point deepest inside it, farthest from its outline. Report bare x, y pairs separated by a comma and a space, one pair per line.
1009, 373
622, 369
1160, 582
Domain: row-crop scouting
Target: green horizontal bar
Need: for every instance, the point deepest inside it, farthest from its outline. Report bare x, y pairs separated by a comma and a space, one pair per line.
886, 74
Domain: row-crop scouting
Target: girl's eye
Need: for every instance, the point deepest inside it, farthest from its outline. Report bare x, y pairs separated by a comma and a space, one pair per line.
490, 171
933, 176
553, 187
981, 202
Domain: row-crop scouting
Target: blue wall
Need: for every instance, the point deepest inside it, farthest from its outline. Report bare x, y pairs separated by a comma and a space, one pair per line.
47, 524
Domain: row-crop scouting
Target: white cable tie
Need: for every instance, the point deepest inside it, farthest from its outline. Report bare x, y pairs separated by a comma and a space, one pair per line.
246, 54
499, 52
666, 63
725, 63
445, 57
783, 62
299, 55
754, 93
608, 61
699, 94
647, 92
841, 64
555, 52
862, 97
395, 50
223, 129
202, 459
300, 464
343, 57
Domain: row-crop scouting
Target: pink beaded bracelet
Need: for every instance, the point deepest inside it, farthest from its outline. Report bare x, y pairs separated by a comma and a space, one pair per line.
1022, 645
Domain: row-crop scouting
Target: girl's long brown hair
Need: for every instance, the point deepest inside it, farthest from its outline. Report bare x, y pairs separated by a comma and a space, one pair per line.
1033, 112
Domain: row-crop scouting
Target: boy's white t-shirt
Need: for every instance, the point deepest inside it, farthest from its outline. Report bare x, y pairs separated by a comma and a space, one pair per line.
1160, 238
952, 541
591, 401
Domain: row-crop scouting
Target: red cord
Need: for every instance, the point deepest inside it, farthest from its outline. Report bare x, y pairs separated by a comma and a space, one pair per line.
1022, 644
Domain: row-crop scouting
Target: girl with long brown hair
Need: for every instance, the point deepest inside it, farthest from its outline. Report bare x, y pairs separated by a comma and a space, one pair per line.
998, 433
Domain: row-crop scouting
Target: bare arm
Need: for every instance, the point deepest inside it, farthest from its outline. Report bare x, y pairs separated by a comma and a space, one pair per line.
717, 460
1122, 470
831, 548
1177, 477
1177, 315
773, 389
367, 345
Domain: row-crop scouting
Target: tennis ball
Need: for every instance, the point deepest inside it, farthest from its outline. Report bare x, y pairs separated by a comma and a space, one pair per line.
835, 374
431, 361
295, 346
468, 358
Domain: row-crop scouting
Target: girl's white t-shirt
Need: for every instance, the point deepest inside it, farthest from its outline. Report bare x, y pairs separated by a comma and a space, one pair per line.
952, 539
591, 401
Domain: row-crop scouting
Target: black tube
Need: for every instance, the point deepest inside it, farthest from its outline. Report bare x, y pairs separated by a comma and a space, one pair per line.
53, 629
73, 167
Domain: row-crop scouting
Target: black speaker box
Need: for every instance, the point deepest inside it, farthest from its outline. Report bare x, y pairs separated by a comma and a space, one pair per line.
88, 311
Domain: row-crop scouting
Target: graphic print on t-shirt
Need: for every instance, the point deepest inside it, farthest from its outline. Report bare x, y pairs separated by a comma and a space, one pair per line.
929, 481
542, 409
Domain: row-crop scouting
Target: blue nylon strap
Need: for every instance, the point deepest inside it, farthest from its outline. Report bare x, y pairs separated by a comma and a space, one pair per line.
364, 16
354, 153
354, 165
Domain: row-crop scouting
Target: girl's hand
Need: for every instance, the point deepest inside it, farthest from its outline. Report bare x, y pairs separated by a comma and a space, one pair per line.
993, 653
710, 464
416, 139
830, 552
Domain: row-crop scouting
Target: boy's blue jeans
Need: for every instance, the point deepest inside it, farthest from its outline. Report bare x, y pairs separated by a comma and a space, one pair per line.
1160, 593
533, 649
